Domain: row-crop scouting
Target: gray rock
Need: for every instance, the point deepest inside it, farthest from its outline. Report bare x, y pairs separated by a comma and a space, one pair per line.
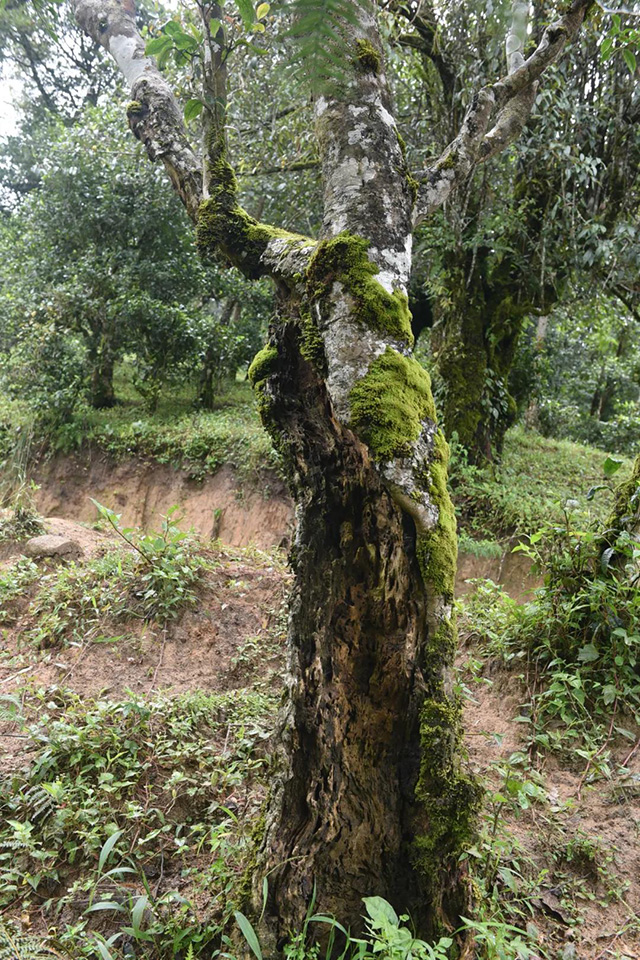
51, 545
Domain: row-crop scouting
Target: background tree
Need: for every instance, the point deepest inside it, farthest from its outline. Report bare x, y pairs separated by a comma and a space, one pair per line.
509, 243
122, 276
369, 793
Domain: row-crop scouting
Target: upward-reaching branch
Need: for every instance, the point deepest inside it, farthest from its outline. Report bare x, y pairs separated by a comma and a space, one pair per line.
156, 119
512, 96
154, 115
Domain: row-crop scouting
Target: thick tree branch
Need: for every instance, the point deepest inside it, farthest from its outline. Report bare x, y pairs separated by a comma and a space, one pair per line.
154, 115
156, 120
512, 95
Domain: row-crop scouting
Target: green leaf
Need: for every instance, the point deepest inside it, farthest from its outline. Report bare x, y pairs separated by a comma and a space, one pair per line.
380, 909
105, 953
157, 45
609, 693
605, 559
106, 905
246, 11
588, 653
137, 913
611, 466
263, 10
192, 109
629, 59
605, 49
107, 847
172, 28
248, 933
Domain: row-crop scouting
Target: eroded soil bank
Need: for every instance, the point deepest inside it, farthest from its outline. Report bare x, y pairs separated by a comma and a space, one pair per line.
143, 491
216, 507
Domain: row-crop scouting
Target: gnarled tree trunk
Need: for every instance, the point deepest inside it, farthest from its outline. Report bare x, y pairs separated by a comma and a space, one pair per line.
369, 796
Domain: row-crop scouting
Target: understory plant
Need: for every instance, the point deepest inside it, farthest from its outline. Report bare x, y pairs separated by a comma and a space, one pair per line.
129, 828
578, 640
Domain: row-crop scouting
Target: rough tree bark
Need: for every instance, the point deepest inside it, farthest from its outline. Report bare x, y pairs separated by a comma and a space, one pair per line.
368, 795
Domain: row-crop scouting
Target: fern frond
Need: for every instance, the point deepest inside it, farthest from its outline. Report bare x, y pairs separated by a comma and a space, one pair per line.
322, 48
17, 946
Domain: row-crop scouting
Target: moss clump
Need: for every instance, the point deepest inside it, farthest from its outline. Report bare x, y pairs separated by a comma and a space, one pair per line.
438, 550
449, 796
134, 108
368, 59
311, 344
449, 161
262, 365
414, 186
344, 259
390, 403
224, 226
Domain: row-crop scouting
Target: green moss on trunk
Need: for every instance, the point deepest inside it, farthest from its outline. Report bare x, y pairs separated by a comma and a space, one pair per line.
224, 227
262, 365
438, 550
344, 260
390, 403
368, 58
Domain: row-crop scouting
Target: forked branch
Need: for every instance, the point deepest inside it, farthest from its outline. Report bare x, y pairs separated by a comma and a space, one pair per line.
512, 96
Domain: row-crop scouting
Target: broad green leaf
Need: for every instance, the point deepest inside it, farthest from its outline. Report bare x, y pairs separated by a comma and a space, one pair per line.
105, 953
107, 847
137, 913
192, 109
588, 653
380, 909
629, 59
172, 28
611, 466
263, 10
245, 9
248, 933
157, 45
106, 905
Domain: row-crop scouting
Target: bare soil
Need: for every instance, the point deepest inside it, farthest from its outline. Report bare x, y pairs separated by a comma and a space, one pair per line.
584, 909
144, 491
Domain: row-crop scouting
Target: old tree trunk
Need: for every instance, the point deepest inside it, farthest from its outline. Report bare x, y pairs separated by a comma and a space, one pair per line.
368, 795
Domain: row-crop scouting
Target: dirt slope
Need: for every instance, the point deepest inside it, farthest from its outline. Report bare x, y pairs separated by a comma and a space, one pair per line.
144, 491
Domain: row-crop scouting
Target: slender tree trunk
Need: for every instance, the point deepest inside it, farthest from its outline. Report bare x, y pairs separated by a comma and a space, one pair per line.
210, 376
101, 391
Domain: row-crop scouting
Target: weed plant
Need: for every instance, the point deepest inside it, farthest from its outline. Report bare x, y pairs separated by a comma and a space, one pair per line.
154, 579
578, 641
124, 804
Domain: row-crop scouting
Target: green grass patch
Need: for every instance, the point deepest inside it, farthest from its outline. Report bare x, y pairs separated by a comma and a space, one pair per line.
176, 433
128, 817
535, 480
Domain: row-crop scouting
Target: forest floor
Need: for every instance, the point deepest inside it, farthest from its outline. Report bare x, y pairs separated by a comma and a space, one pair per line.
134, 760
136, 715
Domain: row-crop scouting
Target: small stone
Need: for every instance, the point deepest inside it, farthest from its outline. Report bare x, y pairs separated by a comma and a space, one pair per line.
52, 545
